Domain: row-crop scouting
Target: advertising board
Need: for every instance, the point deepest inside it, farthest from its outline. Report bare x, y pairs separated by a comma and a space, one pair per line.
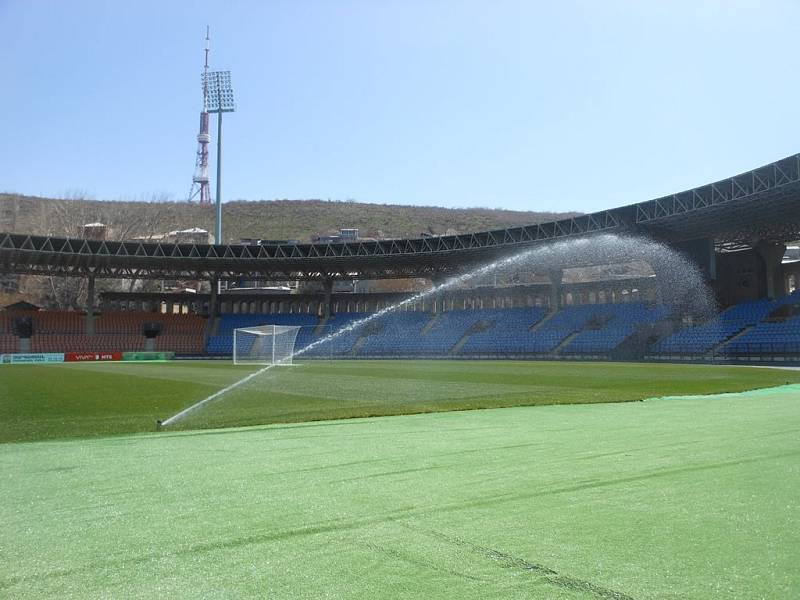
91, 356
148, 355
32, 358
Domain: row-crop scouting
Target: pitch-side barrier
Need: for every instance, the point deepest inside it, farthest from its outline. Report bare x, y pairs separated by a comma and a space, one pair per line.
61, 357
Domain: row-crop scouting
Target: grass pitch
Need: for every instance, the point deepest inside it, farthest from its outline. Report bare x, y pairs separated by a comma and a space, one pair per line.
56, 401
671, 498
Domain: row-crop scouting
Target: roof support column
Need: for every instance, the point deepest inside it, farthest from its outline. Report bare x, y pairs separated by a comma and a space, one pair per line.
772, 256
90, 328
556, 276
327, 302
213, 300
213, 311
437, 300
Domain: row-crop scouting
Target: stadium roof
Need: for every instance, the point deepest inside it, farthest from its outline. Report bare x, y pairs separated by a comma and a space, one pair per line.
762, 204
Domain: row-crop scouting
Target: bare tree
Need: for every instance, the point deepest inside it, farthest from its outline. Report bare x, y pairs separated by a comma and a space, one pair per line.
63, 217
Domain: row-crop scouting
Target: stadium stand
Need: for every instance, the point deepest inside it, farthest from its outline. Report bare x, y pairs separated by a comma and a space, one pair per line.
704, 338
616, 323
132, 323
782, 337
396, 334
447, 329
764, 327
591, 328
222, 341
46, 322
8, 343
507, 332
743, 329
86, 343
342, 344
485, 332
179, 333
773, 334
116, 332
561, 325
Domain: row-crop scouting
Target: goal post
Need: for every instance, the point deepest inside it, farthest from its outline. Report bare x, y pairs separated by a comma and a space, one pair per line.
264, 345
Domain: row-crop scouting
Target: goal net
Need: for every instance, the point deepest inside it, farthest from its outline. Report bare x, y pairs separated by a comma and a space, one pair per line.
264, 345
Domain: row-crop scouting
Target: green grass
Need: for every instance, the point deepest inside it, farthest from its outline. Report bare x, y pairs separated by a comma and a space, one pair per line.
56, 401
664, 499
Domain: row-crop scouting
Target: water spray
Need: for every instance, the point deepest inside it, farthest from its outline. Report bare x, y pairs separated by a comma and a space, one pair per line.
212, 397
681, 285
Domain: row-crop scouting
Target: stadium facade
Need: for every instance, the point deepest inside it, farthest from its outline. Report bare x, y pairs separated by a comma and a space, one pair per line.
735, 230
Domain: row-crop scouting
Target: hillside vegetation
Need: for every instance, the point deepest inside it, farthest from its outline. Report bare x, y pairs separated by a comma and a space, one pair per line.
265, 219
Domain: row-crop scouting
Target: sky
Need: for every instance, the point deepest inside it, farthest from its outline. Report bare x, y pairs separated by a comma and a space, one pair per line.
553, 106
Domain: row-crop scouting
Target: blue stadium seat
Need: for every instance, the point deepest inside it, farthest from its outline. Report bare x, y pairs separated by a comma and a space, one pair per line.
587, 329
621, 321
763, 338
508, 334
222, 342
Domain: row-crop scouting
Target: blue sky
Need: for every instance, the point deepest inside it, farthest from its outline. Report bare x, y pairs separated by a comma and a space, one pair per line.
569, 105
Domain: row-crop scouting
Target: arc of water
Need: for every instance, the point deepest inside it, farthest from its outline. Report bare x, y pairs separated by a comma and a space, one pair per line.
186, 411
354, 325
636, 247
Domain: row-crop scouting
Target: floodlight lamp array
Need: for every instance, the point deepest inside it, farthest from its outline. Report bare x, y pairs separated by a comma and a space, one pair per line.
219, 93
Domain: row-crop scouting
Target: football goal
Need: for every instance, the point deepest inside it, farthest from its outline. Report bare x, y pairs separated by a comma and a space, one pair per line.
264, 345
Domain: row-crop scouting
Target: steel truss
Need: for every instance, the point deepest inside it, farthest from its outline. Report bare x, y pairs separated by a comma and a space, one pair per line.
740, 187
198, 275
423, 257
763, 204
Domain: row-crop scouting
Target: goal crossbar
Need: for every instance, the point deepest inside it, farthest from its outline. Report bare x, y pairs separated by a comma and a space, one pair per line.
264, 345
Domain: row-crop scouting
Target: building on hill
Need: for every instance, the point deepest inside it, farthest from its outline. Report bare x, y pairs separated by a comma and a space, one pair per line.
192, 235
95, 231
344, 235
21, 306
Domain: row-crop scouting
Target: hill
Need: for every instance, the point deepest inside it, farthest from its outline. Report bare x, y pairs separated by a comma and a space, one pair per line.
265, 219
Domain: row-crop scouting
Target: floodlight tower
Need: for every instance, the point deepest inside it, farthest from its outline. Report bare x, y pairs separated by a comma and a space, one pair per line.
200, 179
219, 100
